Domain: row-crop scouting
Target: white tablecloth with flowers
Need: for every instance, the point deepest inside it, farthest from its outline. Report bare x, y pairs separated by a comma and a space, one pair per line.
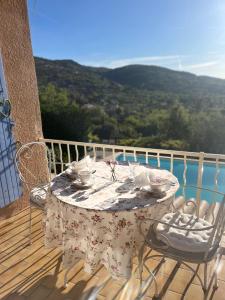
101, 224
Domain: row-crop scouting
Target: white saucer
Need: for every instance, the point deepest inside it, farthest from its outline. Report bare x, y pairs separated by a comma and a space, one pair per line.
148, 189
78, 184
70, 173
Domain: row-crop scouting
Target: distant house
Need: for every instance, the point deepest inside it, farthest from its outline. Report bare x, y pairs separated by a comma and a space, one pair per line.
89, 106
19, 84
109, 141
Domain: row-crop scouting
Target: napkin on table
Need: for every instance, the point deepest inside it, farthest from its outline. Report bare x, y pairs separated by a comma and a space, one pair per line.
81, 165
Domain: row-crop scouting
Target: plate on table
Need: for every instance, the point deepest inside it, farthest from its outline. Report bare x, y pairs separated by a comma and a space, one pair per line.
78, 184
70, 173
149, 189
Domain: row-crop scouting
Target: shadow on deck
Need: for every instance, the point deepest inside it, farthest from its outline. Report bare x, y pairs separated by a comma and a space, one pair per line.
36, 273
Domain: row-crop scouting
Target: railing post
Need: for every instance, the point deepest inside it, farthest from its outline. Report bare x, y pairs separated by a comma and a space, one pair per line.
77, 153
113, 154
171, 163
61, 156
135, 156
158, 160
184, 175
53, 158
216, 175
124, 154
146, 158
68, 153
85, 150
199, 182
103, 152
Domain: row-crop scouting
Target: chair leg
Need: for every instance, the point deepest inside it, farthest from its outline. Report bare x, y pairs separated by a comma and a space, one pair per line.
65, 277
205, 277
215, 286
140, 268
217, 262
148, 281
153, 278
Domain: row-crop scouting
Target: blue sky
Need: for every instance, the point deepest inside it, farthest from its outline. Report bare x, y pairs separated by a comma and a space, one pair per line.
187, 35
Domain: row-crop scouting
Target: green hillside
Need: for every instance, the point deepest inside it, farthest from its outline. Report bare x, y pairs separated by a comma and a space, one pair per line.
136, 105
155, 78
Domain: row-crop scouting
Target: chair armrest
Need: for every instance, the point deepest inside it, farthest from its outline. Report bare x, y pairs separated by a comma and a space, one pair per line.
202, 188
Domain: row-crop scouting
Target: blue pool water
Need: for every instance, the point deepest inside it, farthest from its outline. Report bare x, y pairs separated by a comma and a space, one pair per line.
209, 173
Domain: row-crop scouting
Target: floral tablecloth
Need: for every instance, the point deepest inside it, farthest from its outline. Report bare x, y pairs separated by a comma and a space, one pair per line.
101, 224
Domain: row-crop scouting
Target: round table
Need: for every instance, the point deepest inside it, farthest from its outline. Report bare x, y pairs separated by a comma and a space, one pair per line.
101, 224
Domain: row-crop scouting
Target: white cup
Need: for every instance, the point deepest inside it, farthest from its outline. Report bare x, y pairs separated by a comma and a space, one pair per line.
84, 176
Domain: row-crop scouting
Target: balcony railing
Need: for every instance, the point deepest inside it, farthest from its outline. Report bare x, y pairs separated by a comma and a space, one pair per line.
63, 152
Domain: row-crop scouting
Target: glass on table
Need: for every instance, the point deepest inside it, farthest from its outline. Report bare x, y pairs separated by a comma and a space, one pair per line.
84, 176
133, 167
112, 164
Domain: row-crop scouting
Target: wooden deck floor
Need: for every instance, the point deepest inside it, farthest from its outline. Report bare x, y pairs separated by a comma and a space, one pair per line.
35, 273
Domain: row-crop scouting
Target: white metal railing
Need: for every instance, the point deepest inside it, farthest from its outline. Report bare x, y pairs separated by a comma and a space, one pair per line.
64, 152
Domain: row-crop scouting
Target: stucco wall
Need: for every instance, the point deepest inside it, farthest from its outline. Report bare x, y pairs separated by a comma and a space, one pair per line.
16, 50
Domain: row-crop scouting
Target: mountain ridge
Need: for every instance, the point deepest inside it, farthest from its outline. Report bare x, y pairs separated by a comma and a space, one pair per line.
136, 105
125, 66
133, 87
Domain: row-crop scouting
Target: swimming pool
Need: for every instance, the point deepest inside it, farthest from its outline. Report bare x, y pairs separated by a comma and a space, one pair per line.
209, 173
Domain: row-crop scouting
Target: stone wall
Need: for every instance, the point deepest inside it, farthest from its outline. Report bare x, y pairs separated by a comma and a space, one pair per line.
19, 68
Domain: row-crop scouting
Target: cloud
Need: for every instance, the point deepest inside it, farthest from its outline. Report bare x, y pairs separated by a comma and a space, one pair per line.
144, 60
213, 68
175, 60
214, 64
202, 65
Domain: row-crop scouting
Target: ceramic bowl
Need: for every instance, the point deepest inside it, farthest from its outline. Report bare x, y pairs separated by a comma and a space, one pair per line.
158, 185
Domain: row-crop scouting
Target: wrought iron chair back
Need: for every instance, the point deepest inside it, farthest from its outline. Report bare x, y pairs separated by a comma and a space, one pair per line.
215, 217
215, 214
31, 172
27, 155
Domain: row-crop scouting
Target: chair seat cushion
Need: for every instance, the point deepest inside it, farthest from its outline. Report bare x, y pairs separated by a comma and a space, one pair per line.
38, 195
184, 240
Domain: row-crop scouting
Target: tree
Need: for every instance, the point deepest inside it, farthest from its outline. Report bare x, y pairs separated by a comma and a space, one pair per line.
178, 123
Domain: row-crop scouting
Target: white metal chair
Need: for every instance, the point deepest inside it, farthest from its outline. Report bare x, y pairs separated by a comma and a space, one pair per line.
186, 238
36, 184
